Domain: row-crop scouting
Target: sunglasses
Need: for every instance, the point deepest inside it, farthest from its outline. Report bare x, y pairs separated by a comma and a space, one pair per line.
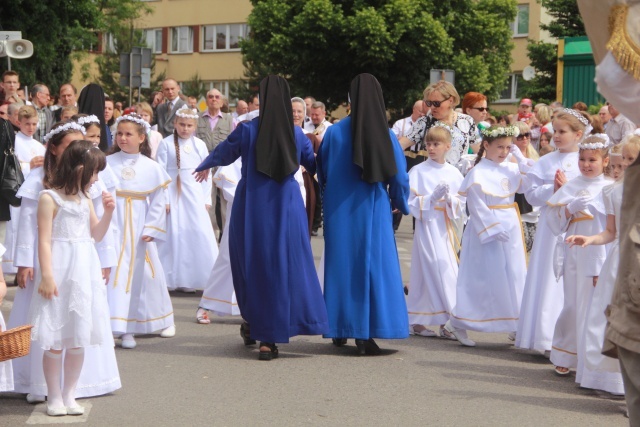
214, 96
435, 103
481, 109
523, 136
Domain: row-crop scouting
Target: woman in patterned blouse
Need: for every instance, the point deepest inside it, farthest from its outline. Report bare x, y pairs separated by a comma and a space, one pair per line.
442, 98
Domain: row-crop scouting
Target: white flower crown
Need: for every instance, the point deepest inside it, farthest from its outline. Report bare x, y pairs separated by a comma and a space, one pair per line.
599, 145
440, 124
577, 115
133, 117
187, 113
500, 131
88, 120
67, 126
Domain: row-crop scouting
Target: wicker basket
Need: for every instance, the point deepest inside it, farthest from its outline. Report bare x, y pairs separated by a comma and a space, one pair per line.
15, 342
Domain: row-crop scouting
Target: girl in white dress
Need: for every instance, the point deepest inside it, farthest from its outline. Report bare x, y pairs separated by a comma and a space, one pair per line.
493, 258
599, 371
69, 306
190, 250
543, 296
30, 154
101, 375
6, 369
219, 295
138, 297
578, 208
435, 203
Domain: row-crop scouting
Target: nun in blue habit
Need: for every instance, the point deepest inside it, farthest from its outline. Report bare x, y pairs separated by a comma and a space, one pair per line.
274, 275
361, 167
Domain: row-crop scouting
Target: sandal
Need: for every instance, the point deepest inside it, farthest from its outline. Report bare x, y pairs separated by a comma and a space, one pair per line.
562, 371
446, 334
202, 316
245, 333
269, 354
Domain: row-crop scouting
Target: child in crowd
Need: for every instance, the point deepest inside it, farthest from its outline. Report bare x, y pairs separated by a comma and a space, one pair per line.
599, 371
435, 203
66, 113
615, 168
138, 296
545, 141
145, 111
70, 310
493, 262
101, 376
547, 149
578, 208
30, 154
219, 295
6, 369
542, 300
190, 250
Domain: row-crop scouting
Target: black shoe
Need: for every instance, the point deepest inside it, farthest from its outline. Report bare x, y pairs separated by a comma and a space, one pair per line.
339, 342
367, 347
272, 353
245, 333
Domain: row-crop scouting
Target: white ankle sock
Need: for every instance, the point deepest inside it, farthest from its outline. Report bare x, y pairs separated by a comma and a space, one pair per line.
52, 367
73, 360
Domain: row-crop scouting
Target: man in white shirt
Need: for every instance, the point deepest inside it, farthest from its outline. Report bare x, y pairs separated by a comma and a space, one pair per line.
308, 124
604, 115
318, 119
619, 126
403, 126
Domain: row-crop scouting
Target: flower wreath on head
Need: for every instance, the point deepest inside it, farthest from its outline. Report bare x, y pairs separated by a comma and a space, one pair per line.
441, 124
88, 120
65, 127
601, 141
187, 113
135, 118
500, 131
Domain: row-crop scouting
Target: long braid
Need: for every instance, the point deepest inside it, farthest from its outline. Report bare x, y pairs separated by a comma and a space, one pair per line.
480, 154
178, 181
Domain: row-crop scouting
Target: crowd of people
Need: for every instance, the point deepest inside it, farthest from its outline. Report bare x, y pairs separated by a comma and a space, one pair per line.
515, 225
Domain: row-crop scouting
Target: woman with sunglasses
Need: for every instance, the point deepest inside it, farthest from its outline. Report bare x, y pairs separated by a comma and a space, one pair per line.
442, 98
475, 105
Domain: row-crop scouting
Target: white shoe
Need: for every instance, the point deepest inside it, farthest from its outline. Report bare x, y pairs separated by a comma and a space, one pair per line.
75, 410
422, 333
128, 341
168, 332
56, 412
512, 336
35, 398
460, 334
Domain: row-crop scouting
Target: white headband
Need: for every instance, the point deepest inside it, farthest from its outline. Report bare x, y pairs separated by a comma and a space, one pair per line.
577, 115
88, 120
596, 145
187, 113
443, 125
67, 126
133, 117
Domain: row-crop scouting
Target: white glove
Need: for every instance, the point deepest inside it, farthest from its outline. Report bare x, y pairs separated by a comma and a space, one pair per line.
439, 192
515, 151
502, 236
578, 204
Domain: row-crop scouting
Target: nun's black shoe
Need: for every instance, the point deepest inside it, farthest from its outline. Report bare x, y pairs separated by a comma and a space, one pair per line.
339, 342
245, 333
269, 354
367, 347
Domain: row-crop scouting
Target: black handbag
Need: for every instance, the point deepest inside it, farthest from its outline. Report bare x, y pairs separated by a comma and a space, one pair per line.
12, 177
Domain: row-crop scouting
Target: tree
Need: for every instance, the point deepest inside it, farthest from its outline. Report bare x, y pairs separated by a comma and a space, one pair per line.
320, 45
56, 28
194, 87
566, 22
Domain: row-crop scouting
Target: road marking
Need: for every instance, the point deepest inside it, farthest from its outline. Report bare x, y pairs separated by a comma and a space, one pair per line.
39, 415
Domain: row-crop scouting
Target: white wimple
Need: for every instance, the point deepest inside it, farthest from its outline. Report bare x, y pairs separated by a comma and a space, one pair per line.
68, 126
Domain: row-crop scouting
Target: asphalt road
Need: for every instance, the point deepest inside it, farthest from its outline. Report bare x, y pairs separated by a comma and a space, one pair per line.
205, 376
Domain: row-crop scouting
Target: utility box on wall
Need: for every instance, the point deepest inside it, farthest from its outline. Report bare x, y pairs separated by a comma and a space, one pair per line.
576, 71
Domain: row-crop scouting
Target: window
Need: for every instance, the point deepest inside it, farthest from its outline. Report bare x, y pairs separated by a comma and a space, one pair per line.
512, 92
181, 40
223, 37
153, 39
110, 43
520, 26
